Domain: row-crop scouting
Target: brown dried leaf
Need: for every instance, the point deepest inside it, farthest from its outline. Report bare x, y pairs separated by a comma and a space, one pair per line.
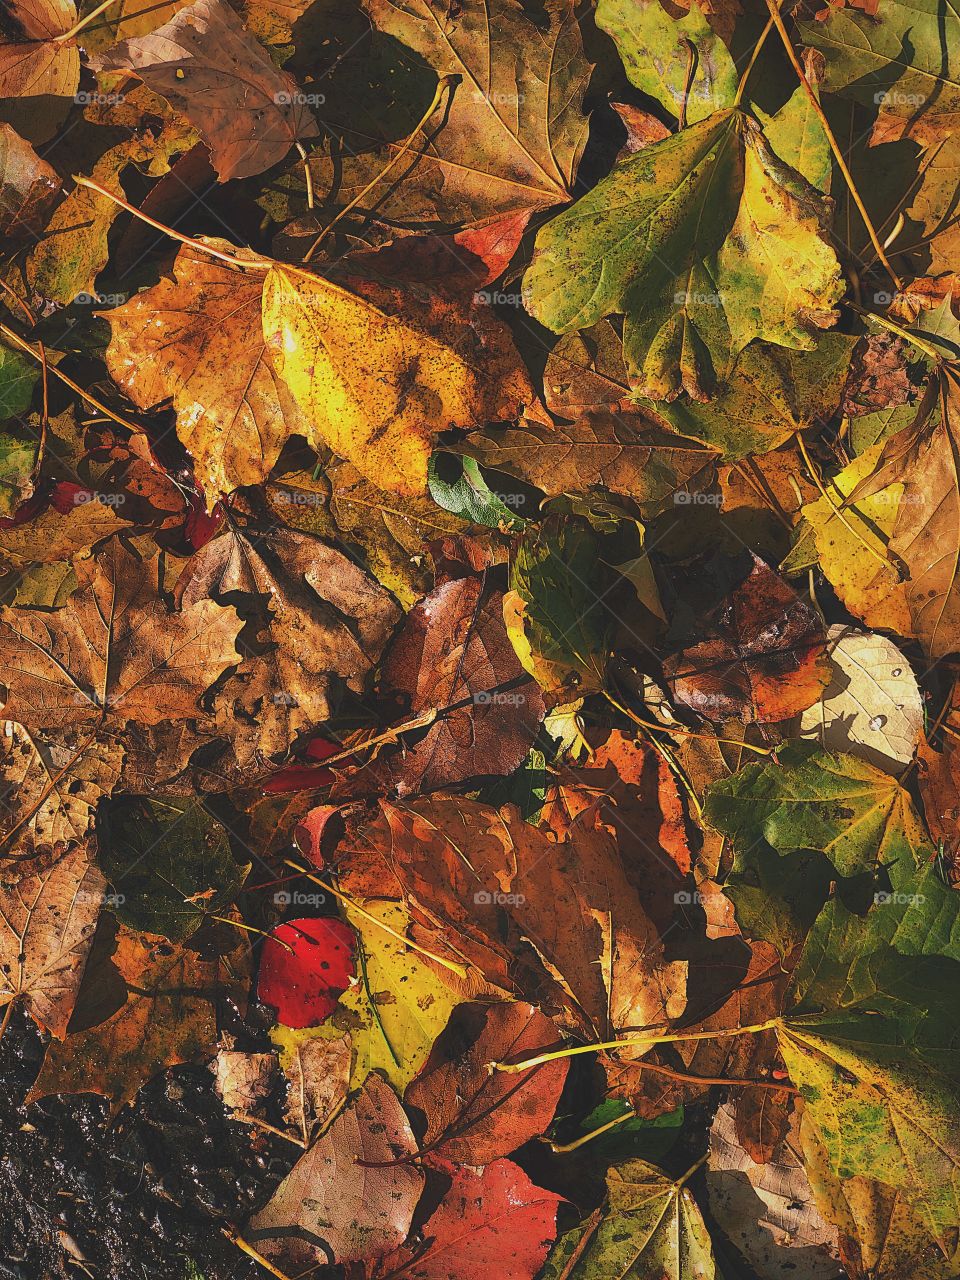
209, 68
47, 920
114, 652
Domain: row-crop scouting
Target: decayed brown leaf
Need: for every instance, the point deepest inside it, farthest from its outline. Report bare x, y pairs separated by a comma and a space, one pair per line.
28, 186
47, 919
114, 652
49, 790
210, 69
453, 652
765, 661
320, 619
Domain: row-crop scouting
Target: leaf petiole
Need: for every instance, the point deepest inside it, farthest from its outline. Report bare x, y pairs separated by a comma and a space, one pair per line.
631, 1041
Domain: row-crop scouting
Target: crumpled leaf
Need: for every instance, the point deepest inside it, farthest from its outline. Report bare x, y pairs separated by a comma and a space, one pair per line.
321, 622
50, 790
214, 72
764, 661
453, 651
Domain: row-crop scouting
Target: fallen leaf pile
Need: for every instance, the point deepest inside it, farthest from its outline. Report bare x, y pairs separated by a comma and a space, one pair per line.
480, 622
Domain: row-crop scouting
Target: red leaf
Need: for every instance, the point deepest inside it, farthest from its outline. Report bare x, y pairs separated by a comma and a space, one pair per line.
493, 1222
305, 984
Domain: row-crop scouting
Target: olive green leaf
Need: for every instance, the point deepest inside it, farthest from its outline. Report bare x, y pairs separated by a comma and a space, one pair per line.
650, 1227
654, 49
906, 59
169, 862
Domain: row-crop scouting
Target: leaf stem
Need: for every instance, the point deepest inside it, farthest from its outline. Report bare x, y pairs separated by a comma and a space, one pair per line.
78, 26
831, 139
564, 1148
7, 1011
251, 1252
352, 903
23, 345
445, 82
651, 1039
741, 87
815, 477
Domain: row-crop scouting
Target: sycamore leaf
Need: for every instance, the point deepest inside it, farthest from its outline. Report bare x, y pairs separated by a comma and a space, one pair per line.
880, 1232
378, 377
196, 339
211, 70
352, 1195
508, 140
770, 394
870, 1043
169, 861
705, 241
649, 1226
47, 919
653, 47
808, 798
905, 60
114, 652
